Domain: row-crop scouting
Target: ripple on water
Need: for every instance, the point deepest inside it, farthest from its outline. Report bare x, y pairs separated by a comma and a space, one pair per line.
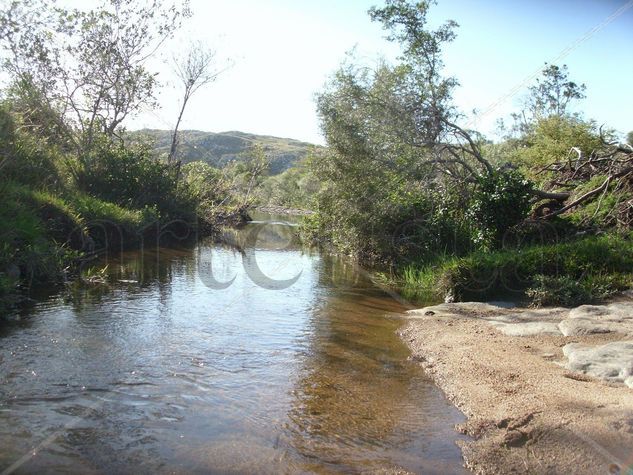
166, 375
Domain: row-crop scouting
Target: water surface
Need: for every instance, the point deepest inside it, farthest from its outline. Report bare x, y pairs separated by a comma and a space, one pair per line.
161, 371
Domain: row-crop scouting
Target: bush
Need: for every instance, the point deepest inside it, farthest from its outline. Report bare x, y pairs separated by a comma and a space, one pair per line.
379, 215
500, 201
569, 292
28, 252
41, 233
24, 158
551, 140
131, 177
294, 188
206, 185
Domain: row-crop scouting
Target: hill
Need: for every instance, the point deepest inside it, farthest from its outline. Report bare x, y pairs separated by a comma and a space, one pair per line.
218, 149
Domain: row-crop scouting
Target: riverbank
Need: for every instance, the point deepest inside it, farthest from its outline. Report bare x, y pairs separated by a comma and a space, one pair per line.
586, 269
49, 238
543, 390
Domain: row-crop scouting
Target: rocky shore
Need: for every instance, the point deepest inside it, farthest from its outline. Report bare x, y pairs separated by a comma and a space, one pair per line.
544, 391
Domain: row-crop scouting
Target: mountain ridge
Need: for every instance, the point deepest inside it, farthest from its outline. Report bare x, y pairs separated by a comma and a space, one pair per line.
220, 148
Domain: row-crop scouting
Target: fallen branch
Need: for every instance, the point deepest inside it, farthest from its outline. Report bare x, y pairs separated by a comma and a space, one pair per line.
549, 195
591, 193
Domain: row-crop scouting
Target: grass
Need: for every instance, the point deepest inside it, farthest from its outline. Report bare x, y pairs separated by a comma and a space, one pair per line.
42, 233
95, 210
581, 271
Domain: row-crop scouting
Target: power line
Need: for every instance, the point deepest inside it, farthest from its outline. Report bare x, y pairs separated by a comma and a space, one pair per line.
564, 53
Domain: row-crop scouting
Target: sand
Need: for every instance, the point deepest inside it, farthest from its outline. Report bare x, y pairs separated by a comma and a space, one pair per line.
527, 411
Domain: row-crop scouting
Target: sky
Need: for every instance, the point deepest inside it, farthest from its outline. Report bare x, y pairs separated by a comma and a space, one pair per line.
283, 52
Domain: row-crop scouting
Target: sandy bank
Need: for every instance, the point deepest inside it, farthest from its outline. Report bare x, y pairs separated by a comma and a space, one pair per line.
553, 400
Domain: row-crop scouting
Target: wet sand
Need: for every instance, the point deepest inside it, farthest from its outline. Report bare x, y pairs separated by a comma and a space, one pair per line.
526, 411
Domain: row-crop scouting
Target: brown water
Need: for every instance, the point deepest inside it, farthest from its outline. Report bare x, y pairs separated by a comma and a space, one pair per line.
160, 372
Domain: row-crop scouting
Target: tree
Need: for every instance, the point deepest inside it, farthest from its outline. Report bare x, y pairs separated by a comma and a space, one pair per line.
244, 175
553, 93
194, 70
402, 116
433, 119
395, 151
551, 96
397, 154
88, 67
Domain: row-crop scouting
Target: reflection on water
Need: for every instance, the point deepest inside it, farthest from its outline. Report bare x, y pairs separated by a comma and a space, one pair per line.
163, 372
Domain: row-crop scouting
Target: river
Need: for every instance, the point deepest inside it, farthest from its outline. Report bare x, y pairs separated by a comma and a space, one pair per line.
254, 357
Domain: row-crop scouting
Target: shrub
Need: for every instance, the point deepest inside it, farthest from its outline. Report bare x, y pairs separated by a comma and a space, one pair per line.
569, 291
206, 185
500, 201
27, 249
24, 158
551, 140
131, 177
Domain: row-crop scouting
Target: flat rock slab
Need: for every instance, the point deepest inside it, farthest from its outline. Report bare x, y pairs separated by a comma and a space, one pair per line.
583, 320
587, 319
492, 313
527, 328
510, 321
612, 361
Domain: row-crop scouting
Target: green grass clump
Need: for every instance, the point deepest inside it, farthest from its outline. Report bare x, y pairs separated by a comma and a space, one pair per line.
29, 251
96, 210
42, 234
569, 292
569, 273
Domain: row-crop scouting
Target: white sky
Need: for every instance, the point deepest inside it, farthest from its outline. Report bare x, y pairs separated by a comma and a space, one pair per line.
283, 52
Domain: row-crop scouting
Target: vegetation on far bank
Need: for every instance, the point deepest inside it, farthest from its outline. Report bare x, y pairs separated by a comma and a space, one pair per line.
220, 149
544, 214
71, 182
571, 273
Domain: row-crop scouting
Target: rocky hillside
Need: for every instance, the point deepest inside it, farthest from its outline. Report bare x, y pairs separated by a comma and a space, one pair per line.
218, 149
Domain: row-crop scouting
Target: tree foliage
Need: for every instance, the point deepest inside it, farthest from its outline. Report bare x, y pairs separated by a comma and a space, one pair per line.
500, 201
553, 93
551, 96
553, 139
396, 152
86, 69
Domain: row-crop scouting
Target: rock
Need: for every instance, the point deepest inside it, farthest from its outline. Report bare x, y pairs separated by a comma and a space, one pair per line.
583, 320
589, 319
582, 326
628, 294
527, 328
514, 438
611, 362
615, 312
503, 304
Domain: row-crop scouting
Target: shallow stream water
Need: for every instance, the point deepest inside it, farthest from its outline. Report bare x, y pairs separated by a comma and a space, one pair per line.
292, 367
